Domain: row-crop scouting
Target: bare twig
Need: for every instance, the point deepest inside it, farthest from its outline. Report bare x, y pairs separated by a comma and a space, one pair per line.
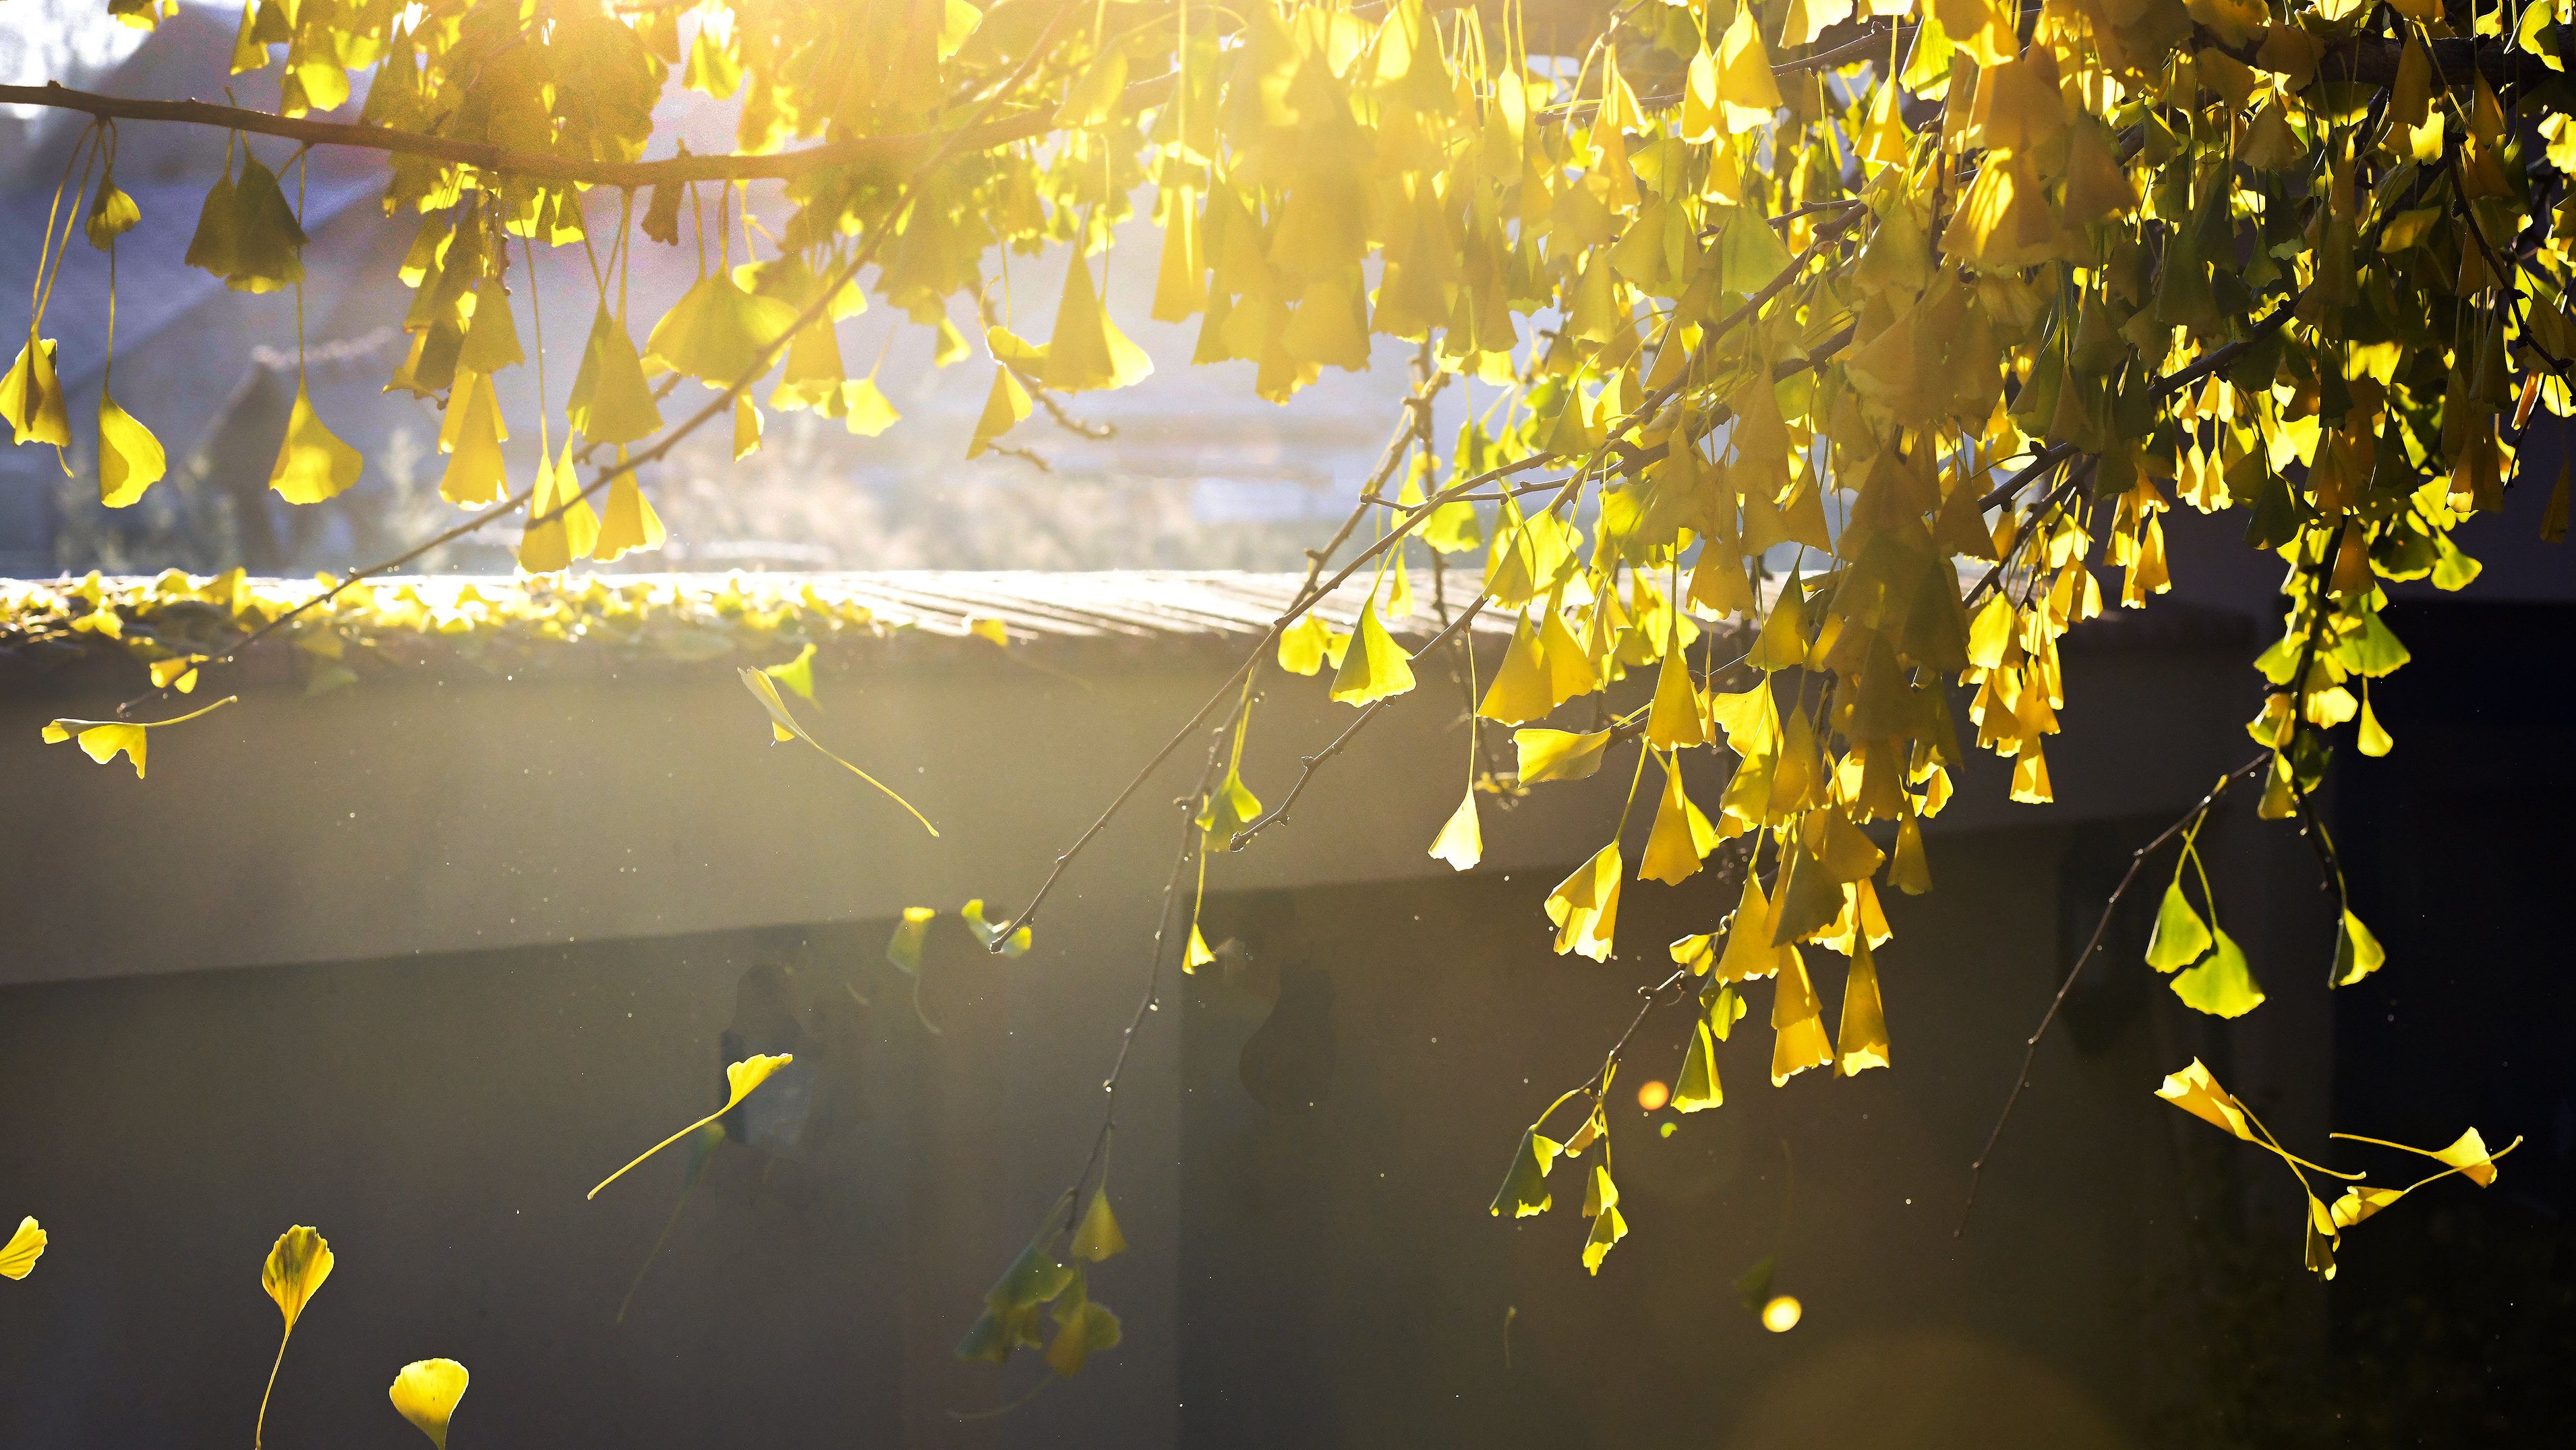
2101, 928
1278, 814
890, 156
720, 405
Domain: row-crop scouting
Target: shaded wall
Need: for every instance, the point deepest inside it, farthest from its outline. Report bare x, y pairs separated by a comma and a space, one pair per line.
364, 961
1343, 1284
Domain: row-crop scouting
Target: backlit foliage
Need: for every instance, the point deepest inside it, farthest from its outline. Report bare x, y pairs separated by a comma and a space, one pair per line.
1849, 354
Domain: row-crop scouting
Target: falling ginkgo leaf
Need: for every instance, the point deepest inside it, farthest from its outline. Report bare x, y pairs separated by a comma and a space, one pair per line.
297, 1265
783, 727
740, 1079
426, 1393
18, 1256
103, 739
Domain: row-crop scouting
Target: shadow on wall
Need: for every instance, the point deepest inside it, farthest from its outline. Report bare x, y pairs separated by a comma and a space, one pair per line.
1360, 1061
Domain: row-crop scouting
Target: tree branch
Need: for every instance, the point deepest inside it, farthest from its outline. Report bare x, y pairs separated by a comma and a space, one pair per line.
2137, 860
889, 156
1278, 815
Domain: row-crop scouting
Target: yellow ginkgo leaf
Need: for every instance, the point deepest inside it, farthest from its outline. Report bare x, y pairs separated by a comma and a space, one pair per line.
1098, 1237
1377, 668
426, 1393
18, 1256
1524, 1189
102, 740
312, 463
1698, 1089
1461, 841
1745, 89
112, 213
1559, 754
297, 1265
1797, 1022
1682, 837
31, 396
784, 727
717, 332
2180, 936
2222, 986
130, 459
1520, 689
1675, 720
866, 411
1087, 352
472, 432
797, 674
1083, 1330
1005, 408
2196, 1091
630, 523
911, 930
740, 1079
1862, 1043
267, 242
2357, 952
1585, 905
2469, 1155
550, 544
611, 402
813, 377
492, 338
986, 627
1303, 645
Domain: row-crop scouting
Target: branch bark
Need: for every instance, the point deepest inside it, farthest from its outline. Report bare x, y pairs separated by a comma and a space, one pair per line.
889, 156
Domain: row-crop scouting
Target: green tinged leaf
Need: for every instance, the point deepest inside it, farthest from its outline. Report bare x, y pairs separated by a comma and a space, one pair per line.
2180, 935
904, 950
1524, 1189
2357, 952
267, 242
2224, 985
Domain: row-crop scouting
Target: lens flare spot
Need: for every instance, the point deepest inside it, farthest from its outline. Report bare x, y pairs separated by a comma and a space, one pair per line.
1653, 1094
1781, 1314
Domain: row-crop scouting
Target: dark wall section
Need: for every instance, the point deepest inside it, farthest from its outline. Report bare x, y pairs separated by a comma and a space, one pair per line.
440, 1120
2456, 1322
1353, 1095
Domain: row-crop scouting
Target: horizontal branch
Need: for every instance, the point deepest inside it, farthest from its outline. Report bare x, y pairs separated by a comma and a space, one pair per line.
890, 155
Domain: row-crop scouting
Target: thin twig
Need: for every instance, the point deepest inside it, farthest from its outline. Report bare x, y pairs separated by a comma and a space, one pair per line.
671, 438
883, 155
1278, 814
2101, 928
